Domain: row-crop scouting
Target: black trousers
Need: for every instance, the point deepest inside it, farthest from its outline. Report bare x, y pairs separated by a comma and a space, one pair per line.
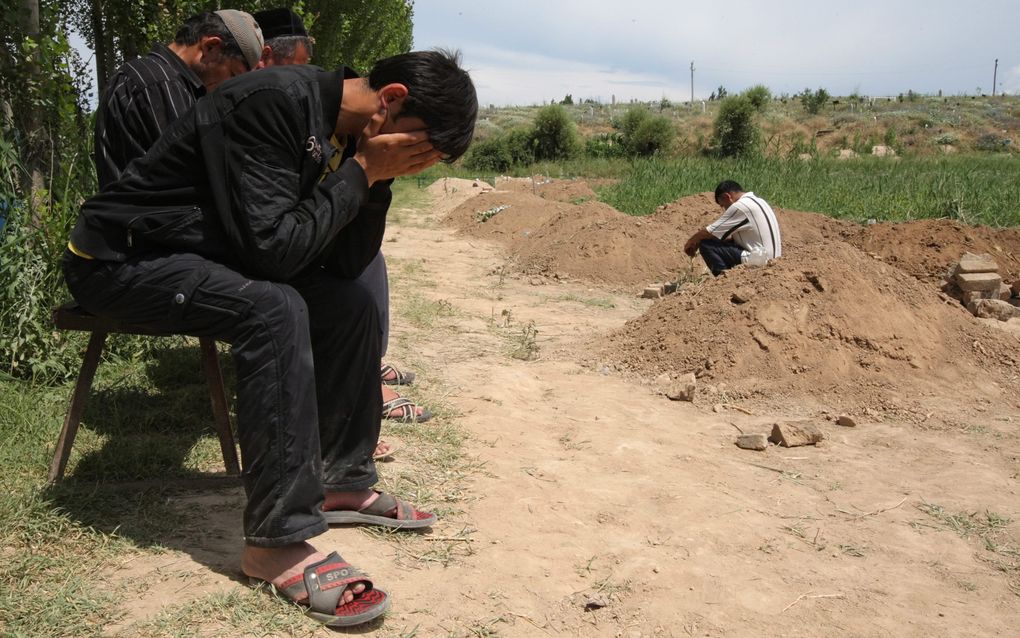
720, 255
306, 355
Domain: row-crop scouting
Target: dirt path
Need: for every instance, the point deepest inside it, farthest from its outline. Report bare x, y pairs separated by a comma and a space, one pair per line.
600, 508
599, 488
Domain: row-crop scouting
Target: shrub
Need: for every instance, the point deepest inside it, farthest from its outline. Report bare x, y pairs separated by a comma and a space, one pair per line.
501, 153
814, 101
760, 97
631, 119
31, 285
992, 143
734, 131
653, 136
554, 135
605, 145
489, 155
644, 134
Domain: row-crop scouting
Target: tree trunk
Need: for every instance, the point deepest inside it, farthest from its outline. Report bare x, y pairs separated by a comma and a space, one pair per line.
104, 47
35, 132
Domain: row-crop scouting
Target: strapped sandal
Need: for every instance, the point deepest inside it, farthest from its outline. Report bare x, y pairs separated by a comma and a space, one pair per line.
408, 411
322, 586
399, 377
381, 512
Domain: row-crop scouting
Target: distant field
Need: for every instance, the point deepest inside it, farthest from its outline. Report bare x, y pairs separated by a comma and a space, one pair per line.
975, 189
955, 157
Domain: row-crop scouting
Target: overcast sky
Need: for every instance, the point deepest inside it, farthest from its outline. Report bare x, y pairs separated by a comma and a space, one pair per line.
531, 51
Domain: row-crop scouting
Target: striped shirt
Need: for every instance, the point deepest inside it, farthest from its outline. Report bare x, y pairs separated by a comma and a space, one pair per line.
141, 100
750, 222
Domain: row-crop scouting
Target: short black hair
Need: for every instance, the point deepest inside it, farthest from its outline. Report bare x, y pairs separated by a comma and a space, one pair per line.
439, 92
208, 24
284, 46
727, 186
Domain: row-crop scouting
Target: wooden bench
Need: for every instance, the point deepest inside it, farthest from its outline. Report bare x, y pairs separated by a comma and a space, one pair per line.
71, 316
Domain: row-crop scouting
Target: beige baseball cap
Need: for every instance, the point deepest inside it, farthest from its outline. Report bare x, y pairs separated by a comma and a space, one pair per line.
246, 32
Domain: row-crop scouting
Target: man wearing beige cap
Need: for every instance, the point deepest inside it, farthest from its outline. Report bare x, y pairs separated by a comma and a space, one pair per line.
146, 95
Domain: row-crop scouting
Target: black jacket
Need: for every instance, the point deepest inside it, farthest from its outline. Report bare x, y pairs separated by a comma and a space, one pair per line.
238, 179
144, 97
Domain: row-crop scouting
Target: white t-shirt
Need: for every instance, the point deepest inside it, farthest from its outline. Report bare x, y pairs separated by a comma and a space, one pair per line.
750, 223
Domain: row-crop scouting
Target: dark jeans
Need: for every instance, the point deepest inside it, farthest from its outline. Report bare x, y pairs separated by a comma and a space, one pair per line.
297, 438
375, 280
720, 255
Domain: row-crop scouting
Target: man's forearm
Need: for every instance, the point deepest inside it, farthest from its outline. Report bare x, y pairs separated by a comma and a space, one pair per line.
695, 240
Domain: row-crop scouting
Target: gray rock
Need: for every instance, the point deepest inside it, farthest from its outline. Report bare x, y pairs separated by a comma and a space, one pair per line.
978, 281
795, 434
683, 389
742, 295
752, 442
992, 309
971, 263
652, 292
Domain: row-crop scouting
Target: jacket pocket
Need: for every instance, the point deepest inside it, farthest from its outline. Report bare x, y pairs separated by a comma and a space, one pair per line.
179, 228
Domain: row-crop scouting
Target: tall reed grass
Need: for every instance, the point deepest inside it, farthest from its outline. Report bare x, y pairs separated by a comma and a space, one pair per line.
972, 189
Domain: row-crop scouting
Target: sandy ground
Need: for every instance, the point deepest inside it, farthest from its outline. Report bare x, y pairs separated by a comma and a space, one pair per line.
600, 508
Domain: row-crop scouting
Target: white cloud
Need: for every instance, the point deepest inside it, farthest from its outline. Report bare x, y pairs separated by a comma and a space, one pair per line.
873, 46
1011, 81
505, 77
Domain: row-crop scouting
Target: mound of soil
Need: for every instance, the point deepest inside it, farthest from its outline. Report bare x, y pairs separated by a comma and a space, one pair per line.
850, 311
827, 320
927, 248
590, 240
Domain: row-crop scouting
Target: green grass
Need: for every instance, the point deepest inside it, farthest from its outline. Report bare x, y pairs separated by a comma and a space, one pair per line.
972, 189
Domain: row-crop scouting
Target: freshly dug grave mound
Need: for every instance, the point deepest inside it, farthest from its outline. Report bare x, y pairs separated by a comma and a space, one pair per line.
927, 248
450, 192
826, 320
589, 241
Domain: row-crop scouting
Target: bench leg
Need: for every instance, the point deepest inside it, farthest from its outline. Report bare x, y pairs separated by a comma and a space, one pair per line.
218, 396
77, 407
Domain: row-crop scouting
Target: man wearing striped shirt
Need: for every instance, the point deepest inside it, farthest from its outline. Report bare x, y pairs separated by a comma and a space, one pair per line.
146, 95
747, 231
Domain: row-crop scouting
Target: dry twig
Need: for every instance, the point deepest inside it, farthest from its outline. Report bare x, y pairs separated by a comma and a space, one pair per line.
809, 596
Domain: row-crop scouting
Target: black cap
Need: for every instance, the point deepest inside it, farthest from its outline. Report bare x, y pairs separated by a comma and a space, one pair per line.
279, 22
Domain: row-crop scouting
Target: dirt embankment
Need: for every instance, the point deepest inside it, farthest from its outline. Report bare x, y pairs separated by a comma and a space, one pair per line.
852, 313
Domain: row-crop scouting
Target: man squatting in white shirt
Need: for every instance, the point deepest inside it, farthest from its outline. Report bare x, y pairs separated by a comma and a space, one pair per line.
747, 231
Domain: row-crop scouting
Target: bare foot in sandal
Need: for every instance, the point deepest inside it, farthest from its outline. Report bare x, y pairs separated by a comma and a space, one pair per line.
402, 409
383, 450
371, 507
298, 572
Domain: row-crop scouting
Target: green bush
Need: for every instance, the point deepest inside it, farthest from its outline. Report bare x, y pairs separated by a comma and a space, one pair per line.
643, 134
814, 101
490, 155
760, 96
501, 153
735, 132
605, 145
631, 120
30, 285
554, 135
654, 136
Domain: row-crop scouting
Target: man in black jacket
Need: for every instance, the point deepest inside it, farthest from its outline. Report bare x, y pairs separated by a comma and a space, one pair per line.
146, 95
227, 228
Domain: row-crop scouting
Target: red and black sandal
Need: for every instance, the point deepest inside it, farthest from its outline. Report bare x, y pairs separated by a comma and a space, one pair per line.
322, 586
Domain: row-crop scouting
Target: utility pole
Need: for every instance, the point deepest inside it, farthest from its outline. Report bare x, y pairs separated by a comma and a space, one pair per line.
692, 81
995, 75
